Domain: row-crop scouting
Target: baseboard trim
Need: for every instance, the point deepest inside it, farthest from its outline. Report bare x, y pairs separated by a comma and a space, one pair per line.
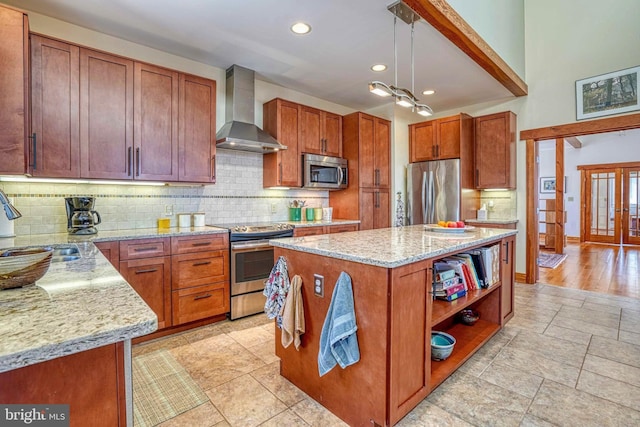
521, 278
573, 239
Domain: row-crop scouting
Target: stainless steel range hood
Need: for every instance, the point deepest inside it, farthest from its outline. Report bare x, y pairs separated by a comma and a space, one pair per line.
239, 132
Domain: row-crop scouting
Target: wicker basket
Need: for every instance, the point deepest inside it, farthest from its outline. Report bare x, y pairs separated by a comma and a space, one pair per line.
23, 266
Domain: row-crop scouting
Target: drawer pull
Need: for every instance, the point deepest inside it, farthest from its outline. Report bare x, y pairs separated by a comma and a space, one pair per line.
195, 264
201, 244
151, 270
202, 297
153, 248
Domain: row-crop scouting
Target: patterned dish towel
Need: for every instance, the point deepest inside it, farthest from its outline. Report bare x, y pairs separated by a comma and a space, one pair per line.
276, 288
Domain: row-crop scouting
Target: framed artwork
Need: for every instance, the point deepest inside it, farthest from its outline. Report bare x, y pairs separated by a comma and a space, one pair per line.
611, 93
547, 185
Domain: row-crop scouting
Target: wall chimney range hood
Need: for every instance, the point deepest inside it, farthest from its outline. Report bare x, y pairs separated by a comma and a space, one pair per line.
239, 132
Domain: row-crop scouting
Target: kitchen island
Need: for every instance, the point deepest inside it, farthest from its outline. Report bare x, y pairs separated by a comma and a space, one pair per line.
67, 339
395, 313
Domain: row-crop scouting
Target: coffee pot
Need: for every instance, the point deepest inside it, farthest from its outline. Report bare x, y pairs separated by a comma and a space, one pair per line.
81, 218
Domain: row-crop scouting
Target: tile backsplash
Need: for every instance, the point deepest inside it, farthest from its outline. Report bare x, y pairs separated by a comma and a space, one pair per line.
237, 196
501, 204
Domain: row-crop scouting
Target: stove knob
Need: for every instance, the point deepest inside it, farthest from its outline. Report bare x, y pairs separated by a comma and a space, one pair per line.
244, 229
236, 228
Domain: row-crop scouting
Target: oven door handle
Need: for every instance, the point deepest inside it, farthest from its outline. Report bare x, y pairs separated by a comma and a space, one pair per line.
260, 244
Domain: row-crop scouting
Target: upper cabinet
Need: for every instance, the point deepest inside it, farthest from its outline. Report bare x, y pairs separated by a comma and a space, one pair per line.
281, 120
97, 115
106, 116
197, 129
14, 91
495, 151
320, 132
445, 138
55, 108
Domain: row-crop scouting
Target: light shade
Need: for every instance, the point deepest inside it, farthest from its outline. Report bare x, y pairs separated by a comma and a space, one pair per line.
403, 101
424, 110
380, 89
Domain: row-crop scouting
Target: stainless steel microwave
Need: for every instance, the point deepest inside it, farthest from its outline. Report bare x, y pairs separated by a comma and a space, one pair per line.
324, 173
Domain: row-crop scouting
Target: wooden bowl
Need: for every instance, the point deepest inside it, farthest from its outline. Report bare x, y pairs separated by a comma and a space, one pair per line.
469, 317
23, 266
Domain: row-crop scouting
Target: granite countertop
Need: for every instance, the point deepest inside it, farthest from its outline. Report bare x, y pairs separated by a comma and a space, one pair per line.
106, 236
321, 223
491, 221
77, 305
391, 247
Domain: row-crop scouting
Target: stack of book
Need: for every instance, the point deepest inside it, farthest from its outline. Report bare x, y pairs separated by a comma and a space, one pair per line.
447, 285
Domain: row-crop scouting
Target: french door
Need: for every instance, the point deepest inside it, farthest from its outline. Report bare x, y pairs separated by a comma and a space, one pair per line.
611, 205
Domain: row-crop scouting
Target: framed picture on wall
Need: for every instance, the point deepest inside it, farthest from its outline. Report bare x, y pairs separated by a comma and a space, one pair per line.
547, 185
611, 93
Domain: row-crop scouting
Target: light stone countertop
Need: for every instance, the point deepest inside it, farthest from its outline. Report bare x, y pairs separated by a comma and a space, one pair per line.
391, 247
301, 224
491, 221
77, 305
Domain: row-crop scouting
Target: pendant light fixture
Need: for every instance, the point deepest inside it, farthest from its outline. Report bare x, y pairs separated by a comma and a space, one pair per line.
403, 97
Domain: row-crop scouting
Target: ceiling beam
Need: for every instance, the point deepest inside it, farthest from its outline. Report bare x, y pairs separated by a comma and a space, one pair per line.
587, 127
574, 142
446, 20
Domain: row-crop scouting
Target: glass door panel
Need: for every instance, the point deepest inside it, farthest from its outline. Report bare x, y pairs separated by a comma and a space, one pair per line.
603, 211
630, 215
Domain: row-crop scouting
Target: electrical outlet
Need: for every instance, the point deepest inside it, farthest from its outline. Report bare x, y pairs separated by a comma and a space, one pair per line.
274, 207
168, 209
318, 285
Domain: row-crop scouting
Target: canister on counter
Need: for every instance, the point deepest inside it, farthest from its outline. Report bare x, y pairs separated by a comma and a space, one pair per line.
198, 219
184, 220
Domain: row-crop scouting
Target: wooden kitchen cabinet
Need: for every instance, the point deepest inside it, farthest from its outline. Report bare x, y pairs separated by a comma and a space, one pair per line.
106, 116
320, 132
146, 265
445, 138
111, 251
495, 151
155, 124
367, 148
14, 91
55, 108
199, 277
197, 130
281, 120
315, 230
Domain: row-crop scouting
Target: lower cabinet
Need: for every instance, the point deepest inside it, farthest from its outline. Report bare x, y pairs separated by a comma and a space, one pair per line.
182, 279
508, 277
151, 279
327, 229
374, 208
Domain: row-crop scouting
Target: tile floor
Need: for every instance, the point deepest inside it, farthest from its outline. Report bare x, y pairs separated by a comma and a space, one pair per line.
568, 358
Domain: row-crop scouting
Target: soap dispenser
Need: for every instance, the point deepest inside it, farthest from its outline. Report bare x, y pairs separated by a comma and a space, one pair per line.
482, 212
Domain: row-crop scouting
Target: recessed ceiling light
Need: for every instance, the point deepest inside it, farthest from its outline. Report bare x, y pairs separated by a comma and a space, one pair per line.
428, 92
378, 67
301, 28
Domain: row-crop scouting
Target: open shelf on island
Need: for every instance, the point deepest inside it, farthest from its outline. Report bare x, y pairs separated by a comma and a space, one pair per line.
445, 309
468, 340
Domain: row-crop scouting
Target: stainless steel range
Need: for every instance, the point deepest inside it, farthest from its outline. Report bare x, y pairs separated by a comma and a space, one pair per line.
251, 263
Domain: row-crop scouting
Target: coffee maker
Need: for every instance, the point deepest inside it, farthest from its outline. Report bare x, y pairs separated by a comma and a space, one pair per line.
81, 218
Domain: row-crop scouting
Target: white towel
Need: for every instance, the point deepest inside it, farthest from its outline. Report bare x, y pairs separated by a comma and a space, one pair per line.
293, 315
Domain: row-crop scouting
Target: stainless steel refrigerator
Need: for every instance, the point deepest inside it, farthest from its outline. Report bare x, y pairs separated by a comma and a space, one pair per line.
433, 191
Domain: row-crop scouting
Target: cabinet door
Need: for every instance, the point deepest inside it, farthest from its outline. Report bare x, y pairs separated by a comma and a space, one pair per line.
188, 270
197, 129
14, 92
280, 120
366, 147
382, 159
106, 116
342, 228
310, 130
55, 110
200, 302
448, 136
155, 128
382, 215
332, 134
111, 251
507, 276
495, 151
308, 231
422, 142
151, 279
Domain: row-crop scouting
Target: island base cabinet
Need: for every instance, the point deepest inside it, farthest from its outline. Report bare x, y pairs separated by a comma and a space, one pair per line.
90, 382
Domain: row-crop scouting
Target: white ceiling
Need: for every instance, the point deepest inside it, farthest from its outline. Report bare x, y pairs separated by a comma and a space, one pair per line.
332, 62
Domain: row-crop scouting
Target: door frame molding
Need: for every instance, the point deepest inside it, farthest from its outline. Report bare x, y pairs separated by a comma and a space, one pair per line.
531, 138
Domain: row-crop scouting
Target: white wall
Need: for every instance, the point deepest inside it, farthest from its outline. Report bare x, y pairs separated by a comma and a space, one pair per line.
501, 24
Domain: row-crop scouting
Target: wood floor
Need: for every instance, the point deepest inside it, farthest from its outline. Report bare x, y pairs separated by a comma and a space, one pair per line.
596, 267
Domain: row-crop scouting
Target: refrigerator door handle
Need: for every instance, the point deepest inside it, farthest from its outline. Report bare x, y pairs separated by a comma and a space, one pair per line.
424, 197
432, 199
